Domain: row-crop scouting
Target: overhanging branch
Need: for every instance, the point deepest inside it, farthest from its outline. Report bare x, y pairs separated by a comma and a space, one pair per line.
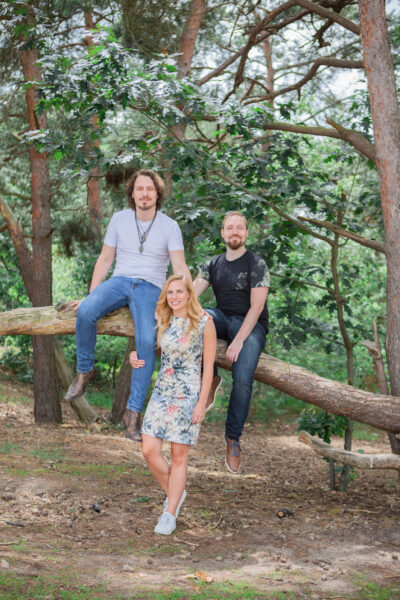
358, 141
351, 235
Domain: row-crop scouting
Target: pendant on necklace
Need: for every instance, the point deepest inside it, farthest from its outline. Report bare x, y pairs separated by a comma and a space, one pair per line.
141, 248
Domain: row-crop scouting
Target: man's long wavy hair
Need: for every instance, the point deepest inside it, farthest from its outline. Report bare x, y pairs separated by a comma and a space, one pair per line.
156, 179
165, 312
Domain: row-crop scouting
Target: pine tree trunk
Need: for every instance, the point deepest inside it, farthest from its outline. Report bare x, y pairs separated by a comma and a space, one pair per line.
47, 405
386, 124
122, 387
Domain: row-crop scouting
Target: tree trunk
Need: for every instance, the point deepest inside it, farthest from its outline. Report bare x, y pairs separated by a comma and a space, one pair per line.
93, 182
47, 405
348, 344
379, 410
64, 372
386, 123
374, 348
186, 49
123, 385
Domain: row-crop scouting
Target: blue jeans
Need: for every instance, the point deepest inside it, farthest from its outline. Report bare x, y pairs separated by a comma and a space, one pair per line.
141, 297
243, 369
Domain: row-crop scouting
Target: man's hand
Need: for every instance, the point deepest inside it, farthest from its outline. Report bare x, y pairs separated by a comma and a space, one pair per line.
233, 351
135, 362
199, 412
76, 304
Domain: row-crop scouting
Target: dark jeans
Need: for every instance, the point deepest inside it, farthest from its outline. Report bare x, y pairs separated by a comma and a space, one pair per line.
243, 369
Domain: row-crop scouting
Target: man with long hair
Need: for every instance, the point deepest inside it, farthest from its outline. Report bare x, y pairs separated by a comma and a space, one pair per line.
240, 281
143, 241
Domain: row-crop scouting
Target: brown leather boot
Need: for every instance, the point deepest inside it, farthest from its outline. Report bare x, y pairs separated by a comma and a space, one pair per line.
132, 424
216, 382
79, 384
233, 455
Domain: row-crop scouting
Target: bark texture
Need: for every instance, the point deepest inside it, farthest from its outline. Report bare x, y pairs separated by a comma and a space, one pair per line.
378, 410
47, 406
65, 376
186, 48
374, 348
355, 459
123, 385
93, 182
386, 123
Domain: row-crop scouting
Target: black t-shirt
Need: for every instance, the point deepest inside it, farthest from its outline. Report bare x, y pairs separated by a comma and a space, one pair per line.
232, 281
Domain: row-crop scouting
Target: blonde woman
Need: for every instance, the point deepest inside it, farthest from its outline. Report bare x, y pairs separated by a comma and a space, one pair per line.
177, 406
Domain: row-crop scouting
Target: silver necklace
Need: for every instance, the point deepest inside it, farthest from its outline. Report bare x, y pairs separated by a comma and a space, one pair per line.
142, 234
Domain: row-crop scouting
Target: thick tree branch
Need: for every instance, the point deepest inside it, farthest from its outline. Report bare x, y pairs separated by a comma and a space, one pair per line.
319, 62
361, 461
351, 235
378, 410
329, 14
189, 35
310, 7
245, 49
20, 245
320, 33
354, 138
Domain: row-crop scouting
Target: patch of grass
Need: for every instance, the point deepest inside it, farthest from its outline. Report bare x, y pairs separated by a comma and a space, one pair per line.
364, 433
206, 513
373, 591
16, 472
9, 448
219, 591
100, 399
48, 454
15, 587
52, 453
15, 400
92, 470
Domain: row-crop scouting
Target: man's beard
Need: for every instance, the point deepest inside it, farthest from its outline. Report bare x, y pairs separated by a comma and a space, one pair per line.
234, 245
147, 206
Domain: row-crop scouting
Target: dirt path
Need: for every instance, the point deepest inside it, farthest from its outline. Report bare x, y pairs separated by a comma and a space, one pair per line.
228, 529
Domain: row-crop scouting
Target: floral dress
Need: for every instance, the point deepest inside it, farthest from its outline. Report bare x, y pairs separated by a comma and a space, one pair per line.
176, 392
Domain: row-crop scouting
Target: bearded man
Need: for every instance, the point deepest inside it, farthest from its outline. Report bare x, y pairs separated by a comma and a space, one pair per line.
240, 281
143, 241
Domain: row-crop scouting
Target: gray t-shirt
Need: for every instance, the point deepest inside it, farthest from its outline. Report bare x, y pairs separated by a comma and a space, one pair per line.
164, 237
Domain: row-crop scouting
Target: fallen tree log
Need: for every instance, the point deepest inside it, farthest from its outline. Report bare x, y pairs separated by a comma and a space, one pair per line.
354, 459
61, 319
379, 410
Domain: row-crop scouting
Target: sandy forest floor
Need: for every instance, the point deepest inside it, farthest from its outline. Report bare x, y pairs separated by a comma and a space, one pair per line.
229, 542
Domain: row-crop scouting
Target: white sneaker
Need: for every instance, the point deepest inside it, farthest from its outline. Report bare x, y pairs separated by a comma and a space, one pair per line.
181, 501
166, 524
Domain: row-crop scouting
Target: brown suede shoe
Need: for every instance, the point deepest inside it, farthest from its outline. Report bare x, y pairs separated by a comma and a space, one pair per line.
78, 386
233, 456
216, 382
132, 424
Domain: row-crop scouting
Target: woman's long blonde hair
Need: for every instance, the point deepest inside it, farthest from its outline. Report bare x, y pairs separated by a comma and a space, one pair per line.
165, 312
